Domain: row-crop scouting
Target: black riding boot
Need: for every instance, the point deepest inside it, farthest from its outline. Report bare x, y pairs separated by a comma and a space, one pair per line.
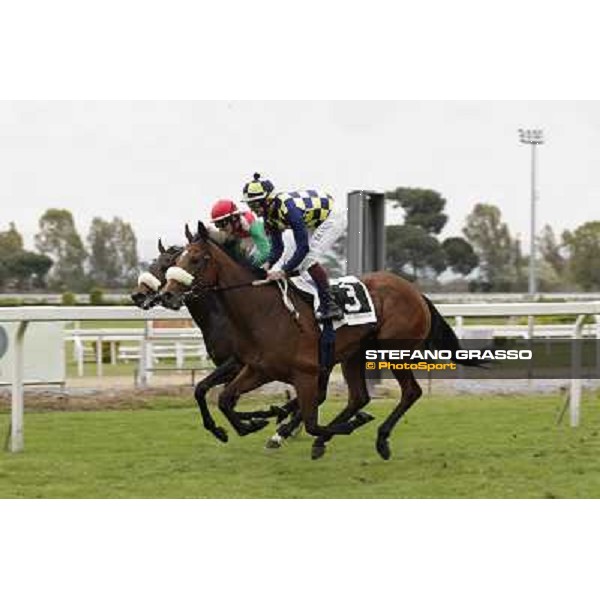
329, 308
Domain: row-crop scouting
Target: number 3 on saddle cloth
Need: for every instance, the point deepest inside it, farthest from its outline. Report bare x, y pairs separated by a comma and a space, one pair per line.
354, 298
351, 294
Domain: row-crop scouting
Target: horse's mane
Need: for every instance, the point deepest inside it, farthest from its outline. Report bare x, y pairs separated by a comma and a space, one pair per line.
241, 260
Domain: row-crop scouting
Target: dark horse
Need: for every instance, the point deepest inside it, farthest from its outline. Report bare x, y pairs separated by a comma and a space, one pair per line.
274, 346
217, 334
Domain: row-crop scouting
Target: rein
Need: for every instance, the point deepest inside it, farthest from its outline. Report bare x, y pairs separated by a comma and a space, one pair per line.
199, 289
237, 286
255, 283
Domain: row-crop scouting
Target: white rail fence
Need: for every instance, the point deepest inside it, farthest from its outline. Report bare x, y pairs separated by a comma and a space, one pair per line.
179, 344
129, 344
25, 315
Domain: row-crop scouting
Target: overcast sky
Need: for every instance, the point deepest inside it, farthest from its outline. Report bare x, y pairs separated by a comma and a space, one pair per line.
160, 164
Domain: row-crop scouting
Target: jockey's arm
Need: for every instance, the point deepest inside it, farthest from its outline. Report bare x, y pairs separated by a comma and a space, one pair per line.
262, 243
276, 248
296, 222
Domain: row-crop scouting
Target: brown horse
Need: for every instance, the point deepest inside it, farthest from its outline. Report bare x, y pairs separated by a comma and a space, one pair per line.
217, 334
274, 346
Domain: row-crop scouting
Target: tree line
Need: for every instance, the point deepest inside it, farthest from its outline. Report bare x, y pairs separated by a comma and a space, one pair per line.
62, 262
487, 257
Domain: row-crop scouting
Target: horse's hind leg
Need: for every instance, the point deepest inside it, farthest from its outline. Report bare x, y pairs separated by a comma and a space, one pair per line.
284, 431
274, 411
358, 396
411, 392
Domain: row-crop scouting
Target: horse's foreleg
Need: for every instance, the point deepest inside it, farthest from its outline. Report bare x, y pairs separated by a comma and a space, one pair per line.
308, 399
222, 374
411, 392
247, 380
285, 430
358, 396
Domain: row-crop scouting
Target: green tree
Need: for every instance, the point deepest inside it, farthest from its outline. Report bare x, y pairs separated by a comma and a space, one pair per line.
493, 244
113, 253
27, 270
11, 241
583, 246
412, 252
551, 250
460, 256
4, 274
59, 239
422, 207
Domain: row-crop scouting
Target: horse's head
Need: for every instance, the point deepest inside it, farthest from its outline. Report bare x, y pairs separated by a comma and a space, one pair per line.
194, 271
147, 292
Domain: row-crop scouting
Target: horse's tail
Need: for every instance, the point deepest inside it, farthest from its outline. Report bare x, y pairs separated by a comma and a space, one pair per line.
442, 337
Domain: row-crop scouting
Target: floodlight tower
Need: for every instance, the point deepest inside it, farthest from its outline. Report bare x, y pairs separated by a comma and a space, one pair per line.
533, 137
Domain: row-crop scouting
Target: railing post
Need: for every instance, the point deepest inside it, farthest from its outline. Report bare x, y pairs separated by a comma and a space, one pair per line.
530, 327
17, 405
99, 356
145, 357
458, 326
575, 395
79, 351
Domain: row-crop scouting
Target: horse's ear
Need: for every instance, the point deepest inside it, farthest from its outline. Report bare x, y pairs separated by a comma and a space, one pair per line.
202, 231
188, 233
161, 248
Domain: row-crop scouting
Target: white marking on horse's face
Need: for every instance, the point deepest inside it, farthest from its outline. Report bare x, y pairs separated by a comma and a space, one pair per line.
184, 253
180, 275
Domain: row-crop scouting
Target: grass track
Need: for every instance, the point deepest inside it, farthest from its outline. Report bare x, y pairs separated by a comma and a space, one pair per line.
468, 447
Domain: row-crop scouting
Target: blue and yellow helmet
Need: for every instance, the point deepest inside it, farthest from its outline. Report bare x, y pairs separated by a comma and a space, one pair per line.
258, 189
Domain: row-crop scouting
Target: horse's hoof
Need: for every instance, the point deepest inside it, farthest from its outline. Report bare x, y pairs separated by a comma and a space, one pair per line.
383, 448
273, 444
318, 452
220, 434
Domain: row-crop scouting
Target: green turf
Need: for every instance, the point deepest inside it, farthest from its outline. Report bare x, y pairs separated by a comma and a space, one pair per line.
499, 447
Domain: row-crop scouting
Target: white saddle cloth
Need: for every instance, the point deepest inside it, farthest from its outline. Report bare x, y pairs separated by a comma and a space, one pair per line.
358, 307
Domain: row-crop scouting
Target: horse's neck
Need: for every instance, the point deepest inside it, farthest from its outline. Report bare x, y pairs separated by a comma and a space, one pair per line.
245, 306
203, 311
213, 321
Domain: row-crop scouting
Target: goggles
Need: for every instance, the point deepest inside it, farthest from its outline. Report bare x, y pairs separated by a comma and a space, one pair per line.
222, 223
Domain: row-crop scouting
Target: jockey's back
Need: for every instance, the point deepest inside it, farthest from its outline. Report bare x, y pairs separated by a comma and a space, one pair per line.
314, 205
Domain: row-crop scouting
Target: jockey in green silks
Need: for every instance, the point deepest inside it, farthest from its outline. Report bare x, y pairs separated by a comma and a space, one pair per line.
240, 231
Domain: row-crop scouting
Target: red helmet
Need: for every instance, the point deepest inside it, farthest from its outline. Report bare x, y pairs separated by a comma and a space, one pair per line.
222, 209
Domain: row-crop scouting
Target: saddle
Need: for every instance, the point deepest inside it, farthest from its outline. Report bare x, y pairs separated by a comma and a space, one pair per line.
350, 293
